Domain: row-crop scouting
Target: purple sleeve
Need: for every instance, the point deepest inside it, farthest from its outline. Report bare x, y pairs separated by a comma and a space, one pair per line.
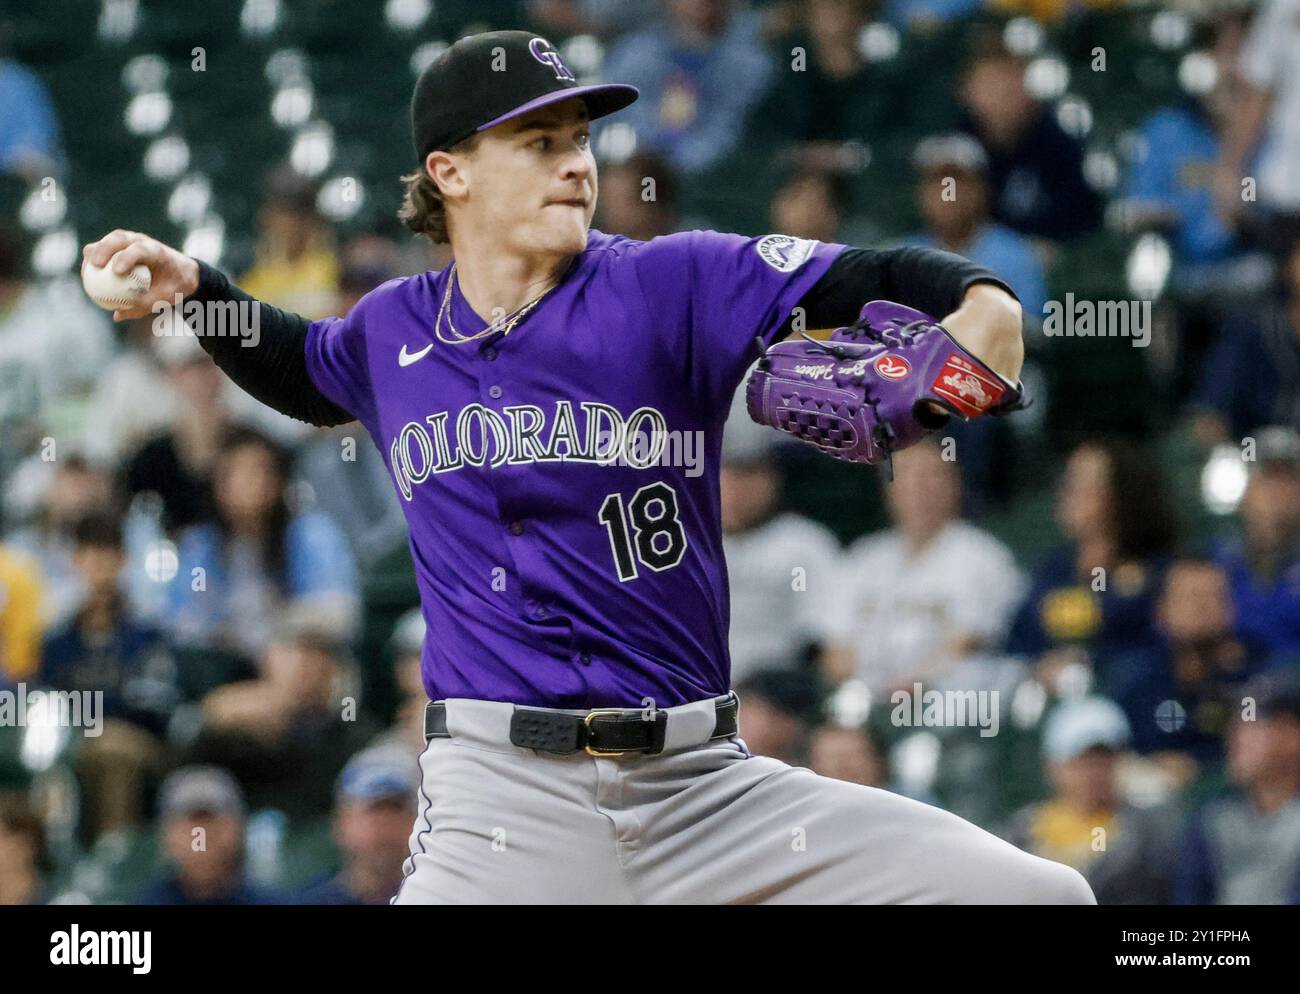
336, 363
732, 290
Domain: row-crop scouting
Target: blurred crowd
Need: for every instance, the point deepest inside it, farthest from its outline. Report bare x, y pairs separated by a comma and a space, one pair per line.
1123, 589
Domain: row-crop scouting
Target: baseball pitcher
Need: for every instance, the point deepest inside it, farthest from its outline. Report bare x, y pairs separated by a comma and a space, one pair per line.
582, 739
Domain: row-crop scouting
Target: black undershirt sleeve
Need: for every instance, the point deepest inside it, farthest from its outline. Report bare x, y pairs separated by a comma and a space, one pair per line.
275, 369
927, 279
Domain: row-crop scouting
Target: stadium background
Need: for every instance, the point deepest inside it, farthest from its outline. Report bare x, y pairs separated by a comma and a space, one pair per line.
268, 138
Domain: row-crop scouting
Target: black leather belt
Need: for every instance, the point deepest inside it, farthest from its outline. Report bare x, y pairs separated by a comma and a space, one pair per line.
600, 732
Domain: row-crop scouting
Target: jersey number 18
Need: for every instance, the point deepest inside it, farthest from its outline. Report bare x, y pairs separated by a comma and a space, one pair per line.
646, 530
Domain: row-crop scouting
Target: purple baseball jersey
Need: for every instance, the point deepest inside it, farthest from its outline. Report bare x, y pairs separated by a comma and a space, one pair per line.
568, 552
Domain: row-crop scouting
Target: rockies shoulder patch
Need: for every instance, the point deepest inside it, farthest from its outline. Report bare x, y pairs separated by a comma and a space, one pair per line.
784, 253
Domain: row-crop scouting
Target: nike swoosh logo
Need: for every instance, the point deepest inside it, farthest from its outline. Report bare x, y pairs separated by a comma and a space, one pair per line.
405, 358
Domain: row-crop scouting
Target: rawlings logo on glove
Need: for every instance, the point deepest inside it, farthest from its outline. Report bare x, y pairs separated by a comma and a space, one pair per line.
872, 389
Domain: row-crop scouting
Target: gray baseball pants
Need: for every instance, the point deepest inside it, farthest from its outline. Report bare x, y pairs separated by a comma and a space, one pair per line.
700, 823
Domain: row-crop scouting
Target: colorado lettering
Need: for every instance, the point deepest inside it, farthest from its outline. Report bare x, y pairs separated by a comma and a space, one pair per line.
522, 433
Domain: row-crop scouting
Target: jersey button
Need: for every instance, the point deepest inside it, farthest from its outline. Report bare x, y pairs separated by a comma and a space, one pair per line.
585, 659
516, 528
494, 391
489, 353
540, 611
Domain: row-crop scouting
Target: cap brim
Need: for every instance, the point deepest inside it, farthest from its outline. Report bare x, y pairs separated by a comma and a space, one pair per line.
601, 99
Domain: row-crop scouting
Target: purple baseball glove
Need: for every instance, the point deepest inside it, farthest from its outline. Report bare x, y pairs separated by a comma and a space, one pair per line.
867, 392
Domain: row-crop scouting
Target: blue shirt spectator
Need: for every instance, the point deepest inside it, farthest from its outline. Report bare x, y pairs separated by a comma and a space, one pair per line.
953, 196
906, 14
1173, 176
1267, 605
1008, 254
29, 127
699, 77
241, 595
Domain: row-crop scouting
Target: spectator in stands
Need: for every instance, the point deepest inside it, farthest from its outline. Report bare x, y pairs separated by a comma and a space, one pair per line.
73, 489
238, 573
603, 18
106, 649
911, 15
1171, 189
638, 198
777, 708
781, 566
953, 197
931, 593
1126, 852
1097, 594
1263, 561
177, 463
1173, 690
1053, 11
22, 854
368, 261
1252, 375
1171, 184
202, 822
405, 646
700, 74
339, 472
1035, 169
296, 266
824, 93
132, 401
287, 734
810, 205
20, 617
29, 125
846, 752
53, 344
1242, 848
372, 828
1269, 109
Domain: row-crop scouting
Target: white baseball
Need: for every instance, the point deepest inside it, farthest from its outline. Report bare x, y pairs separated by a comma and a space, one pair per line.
111, 291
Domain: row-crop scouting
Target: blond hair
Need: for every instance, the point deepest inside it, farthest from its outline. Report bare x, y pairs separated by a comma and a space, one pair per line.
423, 209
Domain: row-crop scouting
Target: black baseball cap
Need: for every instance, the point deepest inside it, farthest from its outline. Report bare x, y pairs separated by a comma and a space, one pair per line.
488, 78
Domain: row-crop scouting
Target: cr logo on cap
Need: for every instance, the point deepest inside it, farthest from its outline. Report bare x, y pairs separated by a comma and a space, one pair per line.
544, 52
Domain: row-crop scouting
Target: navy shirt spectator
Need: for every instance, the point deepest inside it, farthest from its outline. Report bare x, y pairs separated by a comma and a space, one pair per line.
1251, 377
1098, 594
1035, 168
203, 802
104, 647
1177, 691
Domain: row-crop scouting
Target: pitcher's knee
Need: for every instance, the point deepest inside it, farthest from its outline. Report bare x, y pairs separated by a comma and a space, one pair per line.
1062, 884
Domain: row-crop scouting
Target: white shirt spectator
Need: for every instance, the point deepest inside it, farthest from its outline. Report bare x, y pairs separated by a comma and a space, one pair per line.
1270, 60
904, 614
781, 575
53, 344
